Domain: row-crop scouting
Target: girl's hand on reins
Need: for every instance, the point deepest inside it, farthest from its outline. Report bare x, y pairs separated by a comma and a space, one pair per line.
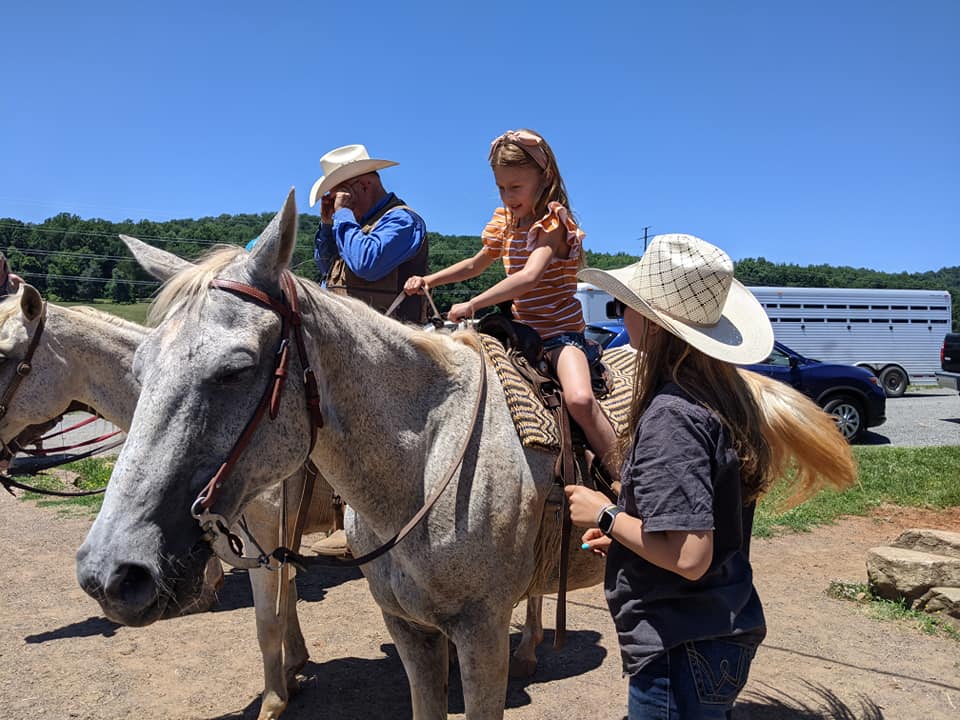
460, 311
585, 504
415, 285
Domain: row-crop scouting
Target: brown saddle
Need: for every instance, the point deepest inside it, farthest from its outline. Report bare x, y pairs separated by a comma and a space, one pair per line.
536, 405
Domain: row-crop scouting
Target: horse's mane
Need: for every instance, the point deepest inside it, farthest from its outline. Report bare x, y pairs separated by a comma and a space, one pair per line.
10, 305
107, 318
187, 289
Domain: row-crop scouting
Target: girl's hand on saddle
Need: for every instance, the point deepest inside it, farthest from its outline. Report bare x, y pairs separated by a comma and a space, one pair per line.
594, 540
415, 285
585, 505
461, 311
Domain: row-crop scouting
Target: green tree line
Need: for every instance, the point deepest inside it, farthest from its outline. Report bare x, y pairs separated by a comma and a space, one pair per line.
72, 259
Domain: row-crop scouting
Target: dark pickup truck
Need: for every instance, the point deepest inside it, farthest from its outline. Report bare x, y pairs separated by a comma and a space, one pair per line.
950, 362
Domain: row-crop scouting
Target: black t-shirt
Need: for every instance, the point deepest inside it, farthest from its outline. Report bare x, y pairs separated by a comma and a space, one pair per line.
682, 474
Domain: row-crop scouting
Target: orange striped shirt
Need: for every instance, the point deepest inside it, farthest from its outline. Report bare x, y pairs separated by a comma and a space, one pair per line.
550, 308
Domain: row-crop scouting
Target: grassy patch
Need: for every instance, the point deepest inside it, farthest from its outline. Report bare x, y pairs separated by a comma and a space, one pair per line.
908, 477
89, 474
891, 610
134, 312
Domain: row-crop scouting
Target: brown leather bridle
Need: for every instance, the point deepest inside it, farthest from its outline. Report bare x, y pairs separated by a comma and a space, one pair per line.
216, 531
289, 311
24, 366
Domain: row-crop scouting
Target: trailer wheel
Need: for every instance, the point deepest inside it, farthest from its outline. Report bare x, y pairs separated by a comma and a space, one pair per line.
846, 411
894, 381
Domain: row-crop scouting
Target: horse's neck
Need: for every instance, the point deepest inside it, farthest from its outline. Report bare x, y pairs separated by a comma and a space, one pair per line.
98, 357
387, 405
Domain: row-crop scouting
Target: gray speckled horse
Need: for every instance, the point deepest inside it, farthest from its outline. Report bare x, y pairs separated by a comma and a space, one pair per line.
86, 356
397, 405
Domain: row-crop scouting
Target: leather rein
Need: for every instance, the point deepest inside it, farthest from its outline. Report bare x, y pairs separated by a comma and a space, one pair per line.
229, 546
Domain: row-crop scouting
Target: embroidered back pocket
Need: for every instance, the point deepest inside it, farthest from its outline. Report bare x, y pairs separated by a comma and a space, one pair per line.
719, 668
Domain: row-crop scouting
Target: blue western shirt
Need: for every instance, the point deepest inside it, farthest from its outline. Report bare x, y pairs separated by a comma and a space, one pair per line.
396, 238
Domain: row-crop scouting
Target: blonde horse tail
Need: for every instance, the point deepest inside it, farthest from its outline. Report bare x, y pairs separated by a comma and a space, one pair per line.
803, 437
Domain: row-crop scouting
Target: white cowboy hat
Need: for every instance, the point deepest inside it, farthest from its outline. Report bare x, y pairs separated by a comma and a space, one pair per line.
686, 286
341, 164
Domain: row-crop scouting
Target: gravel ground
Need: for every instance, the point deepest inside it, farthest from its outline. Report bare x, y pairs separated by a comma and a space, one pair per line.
923, 417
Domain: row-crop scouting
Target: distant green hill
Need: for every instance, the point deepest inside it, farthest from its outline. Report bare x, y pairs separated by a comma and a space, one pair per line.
68, 258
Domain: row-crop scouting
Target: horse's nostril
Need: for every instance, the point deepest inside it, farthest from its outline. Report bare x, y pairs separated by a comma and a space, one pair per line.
131, 585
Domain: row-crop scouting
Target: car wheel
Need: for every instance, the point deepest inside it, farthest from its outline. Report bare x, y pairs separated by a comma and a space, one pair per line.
894, 381
846, 411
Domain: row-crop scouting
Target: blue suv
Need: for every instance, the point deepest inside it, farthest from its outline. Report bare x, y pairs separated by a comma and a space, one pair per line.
851, 394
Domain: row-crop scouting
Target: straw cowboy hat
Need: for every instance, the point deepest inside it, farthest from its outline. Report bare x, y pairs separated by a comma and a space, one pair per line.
686, 286
342, 164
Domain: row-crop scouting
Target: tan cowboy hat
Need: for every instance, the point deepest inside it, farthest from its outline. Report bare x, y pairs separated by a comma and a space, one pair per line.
686, 286
341, 164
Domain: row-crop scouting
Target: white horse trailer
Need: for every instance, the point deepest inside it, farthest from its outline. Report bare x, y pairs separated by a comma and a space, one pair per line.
896, 334
594, 301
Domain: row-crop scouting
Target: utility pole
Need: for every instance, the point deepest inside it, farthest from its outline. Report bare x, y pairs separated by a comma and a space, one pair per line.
645, 237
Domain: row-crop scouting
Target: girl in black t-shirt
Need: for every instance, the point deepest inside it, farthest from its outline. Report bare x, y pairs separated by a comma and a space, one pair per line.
679, 582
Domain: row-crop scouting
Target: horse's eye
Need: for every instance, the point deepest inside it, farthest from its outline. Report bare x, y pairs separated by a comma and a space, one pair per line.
233, 376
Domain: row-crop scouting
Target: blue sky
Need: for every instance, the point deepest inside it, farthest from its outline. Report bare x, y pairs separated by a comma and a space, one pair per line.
815, 132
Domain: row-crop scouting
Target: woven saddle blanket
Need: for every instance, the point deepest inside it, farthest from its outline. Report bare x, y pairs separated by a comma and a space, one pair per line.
535, 424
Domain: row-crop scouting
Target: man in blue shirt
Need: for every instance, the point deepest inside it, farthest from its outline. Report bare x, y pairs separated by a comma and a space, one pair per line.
369, 242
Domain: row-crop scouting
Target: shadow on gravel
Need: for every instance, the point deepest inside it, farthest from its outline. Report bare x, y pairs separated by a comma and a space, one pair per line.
777, 705
361, 688
234, 594
872, 438
312, 586
85, 628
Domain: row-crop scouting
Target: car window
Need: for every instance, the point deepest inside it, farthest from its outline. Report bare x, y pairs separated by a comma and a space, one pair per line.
777, 358
598, 334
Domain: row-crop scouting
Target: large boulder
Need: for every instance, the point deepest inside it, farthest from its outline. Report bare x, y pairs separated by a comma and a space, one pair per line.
945, 600
937, 542
896, 572
942, 601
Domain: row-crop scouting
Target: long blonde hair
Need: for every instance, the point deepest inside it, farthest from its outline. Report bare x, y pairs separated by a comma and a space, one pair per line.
712, 383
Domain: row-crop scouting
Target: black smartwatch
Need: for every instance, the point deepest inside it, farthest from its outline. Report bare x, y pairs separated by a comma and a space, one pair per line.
606, 517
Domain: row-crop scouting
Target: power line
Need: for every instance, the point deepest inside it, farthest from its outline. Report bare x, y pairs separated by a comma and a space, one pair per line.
113, 235
83, 278
92, 256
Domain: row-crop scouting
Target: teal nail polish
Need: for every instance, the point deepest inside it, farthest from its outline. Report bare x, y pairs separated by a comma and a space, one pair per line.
585, 546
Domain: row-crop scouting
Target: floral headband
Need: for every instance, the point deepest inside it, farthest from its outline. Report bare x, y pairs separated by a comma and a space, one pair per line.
530, 143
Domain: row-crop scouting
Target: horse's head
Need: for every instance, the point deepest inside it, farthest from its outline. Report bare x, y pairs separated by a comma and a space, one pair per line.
203, 371
33, 386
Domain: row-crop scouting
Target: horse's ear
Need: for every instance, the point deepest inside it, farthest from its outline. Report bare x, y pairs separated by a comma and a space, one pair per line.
273, 250
31, 304
20, 327
159, 263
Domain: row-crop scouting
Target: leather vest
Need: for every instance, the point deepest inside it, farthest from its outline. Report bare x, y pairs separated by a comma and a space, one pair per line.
380, 293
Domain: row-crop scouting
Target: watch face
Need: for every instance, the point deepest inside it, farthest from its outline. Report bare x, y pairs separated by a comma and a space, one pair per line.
605, 521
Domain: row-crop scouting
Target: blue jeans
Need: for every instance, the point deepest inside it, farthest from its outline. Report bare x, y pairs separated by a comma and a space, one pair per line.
589, 348
697, 680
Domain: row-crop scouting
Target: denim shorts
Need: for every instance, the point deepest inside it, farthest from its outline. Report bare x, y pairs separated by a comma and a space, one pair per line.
697, 680
590, 348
